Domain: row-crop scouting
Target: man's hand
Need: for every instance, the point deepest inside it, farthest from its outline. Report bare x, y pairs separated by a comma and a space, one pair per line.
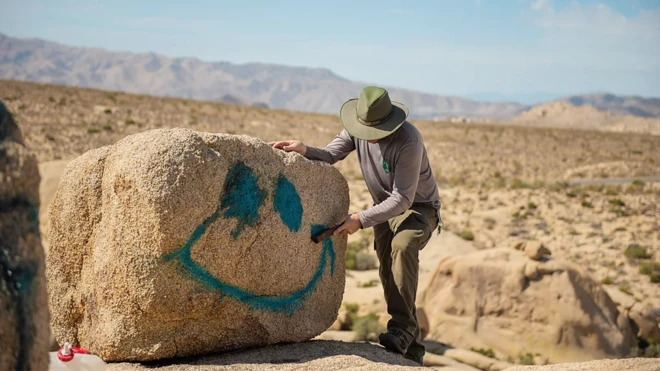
290, 146
351, 225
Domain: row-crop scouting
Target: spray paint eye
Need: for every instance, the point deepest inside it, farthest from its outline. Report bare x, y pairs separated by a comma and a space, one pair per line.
287, 203
242, 198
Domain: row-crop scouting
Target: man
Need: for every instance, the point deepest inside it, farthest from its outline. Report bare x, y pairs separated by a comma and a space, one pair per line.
406, 206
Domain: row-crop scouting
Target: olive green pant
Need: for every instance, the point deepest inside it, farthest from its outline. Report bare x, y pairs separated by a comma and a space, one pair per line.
397, 245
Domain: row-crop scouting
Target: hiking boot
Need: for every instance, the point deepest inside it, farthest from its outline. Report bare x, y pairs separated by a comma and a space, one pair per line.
394, 341
419, 358
415, 352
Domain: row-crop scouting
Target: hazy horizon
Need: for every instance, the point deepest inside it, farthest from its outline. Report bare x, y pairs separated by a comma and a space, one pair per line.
515, 49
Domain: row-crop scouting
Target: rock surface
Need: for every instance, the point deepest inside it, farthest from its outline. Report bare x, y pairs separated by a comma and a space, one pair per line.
312, 355
533, 249
502, 300
643, 317
24, 330
462, 357
51, 173
174, 242
628, 364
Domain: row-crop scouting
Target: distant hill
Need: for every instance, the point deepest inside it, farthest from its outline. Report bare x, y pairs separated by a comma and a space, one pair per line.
265, 85
564, 114
529, 99
636, 106
294, 88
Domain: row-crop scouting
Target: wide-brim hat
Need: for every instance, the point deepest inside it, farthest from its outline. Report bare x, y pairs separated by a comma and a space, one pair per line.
372, 116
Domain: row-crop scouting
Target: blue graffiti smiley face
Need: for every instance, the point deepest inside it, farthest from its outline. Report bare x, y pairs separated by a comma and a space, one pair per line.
241, 199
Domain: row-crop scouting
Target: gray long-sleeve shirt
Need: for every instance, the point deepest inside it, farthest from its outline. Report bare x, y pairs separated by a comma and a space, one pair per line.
396, 170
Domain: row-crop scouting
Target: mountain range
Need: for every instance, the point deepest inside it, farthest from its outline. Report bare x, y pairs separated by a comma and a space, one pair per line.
285, 87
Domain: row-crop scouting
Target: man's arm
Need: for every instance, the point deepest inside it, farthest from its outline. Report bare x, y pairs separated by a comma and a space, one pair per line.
335, 151
340, 147
406, 177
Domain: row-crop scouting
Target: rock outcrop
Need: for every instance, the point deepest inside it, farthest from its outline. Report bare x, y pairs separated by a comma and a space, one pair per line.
643, 317
534, 250
174, 243
442, 355
502, 300
628, 364
24, 330
564, 114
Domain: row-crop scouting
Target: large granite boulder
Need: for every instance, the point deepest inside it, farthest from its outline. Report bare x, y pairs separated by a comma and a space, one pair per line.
174, 242
501, 299
24, 330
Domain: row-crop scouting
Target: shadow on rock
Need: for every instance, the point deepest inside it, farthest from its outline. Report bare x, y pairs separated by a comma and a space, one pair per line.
315, 354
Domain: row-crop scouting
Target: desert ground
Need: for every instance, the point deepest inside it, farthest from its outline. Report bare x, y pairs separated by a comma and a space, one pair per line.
589, 196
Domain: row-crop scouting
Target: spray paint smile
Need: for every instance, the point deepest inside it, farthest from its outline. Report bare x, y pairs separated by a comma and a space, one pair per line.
242, 198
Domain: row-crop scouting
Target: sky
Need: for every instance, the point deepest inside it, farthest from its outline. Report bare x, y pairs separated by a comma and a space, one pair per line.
475, 48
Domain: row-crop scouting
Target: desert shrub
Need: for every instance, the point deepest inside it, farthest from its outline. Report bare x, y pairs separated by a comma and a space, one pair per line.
531, 206
467, 235
620, 229
107, 127
357, 256
352, 248
490, 223
571, 194
606, 281
486, 352
526, 358
587, 204
365, 261
635, 251
649, 267
62, 102
616, 202
107, 111
372, 283
519, 184
625, 290
637, 186
51, 99
367, 327
647, 348
351, 310
611, 191
655, 277
620, 212
93, 131
559, 186
50, 137
130, 122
